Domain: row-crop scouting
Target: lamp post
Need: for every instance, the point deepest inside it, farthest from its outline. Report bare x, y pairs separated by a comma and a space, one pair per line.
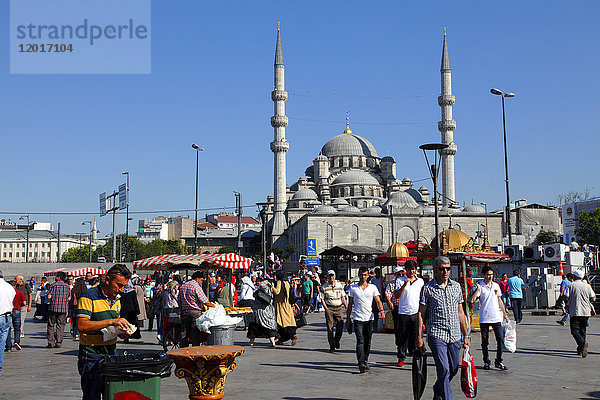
503, 95
27, 239
91, 227
198, 150
238, 206
487, 233
434, 168
126, 217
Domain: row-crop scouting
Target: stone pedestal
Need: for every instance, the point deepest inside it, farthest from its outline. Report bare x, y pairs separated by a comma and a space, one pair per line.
205, 368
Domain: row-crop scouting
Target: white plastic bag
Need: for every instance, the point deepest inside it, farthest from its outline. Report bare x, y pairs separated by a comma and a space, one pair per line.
510, 335
215, 316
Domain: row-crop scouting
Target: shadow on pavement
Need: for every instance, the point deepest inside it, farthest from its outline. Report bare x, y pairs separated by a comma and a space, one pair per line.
552, 352
592, 396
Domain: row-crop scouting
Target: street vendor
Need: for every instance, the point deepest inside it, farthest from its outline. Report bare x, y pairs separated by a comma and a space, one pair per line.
98, 308
192, 301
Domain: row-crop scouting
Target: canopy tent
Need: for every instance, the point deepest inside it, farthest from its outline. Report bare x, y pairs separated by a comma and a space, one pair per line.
76, 271
178, 261
351, 250
394, 261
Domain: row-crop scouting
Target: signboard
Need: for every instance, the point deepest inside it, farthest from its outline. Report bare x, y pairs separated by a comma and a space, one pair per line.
311, 247
102, 204
123, 196
312, 260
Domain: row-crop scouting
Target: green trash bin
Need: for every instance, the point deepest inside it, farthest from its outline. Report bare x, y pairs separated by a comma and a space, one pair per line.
134, 376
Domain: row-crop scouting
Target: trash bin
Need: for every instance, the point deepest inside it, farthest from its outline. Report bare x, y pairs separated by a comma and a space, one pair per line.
134, 376
221, 335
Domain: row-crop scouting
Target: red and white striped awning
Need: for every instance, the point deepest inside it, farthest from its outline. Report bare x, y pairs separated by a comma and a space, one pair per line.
76, 271
166, 261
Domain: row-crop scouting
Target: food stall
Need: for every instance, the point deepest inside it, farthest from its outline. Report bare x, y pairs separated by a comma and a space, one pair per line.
76, 271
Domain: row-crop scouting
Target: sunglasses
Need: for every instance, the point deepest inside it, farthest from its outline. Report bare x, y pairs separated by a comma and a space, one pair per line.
443, 268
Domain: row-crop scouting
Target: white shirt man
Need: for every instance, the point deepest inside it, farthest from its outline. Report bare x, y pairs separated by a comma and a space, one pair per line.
580, 295
491, 311
7, 295
408, 293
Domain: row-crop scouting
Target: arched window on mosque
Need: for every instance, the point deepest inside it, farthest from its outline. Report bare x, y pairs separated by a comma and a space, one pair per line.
350, 162
354, 233
352, 191
379, 235
341, 163
329, 236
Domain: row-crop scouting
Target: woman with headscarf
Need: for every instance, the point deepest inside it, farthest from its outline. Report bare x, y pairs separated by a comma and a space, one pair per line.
264, 324
286, 324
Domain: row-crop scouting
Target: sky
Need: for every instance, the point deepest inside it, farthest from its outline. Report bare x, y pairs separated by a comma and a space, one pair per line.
67, 138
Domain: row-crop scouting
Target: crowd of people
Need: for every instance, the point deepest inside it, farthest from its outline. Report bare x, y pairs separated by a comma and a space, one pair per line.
278, 302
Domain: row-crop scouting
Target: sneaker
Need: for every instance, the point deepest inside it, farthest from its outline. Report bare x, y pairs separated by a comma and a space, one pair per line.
22, 335
362, 369
560, 323
500, 366
337, 345
18, 346
57, 346
401, 363
367, 366
584, 351
486, 366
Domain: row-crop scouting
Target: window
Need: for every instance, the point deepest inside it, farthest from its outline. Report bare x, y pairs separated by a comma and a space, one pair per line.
10, 255
379, 235
354, 233
4, 254
22, 254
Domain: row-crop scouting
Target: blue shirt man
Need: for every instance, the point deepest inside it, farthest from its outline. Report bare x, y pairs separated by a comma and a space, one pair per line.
515, 292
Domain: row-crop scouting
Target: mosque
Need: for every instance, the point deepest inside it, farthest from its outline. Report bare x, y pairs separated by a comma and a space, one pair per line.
351, 197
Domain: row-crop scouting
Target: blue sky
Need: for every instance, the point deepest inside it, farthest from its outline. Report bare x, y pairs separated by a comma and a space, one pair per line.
66, 138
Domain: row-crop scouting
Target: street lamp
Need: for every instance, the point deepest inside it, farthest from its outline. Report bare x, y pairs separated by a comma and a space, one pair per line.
198, 150
126, 217
503, 95
487, 233
27, 240
238, 206
91, 227
434, 168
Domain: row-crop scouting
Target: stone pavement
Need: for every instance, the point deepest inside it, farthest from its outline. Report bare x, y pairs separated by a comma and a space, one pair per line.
545, 366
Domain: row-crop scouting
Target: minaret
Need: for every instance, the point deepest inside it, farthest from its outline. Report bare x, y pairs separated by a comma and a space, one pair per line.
447, 126
94, 232
279, 146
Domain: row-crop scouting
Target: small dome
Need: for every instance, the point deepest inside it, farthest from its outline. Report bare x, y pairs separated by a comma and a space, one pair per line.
400, 200
348, 144
321, 157
456, 239
372, 210
355, 177
325, 209
388, 158
406, 180
305, 194
315, 203
397, 250
351, 209
474, 208
415, 194
339, 202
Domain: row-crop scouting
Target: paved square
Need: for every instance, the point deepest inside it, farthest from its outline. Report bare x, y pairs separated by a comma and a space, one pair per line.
544, 367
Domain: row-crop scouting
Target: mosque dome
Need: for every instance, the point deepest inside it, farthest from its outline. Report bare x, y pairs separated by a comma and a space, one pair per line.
325, 209
388, 158
397, 250
456, 239
351, 209
355, 177
339, 202
372, 210
321, 157
474, 208
304, 194
415, 194
348, 144
400, 200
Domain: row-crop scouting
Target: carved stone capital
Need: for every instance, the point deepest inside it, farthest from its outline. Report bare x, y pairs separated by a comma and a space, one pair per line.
447, 125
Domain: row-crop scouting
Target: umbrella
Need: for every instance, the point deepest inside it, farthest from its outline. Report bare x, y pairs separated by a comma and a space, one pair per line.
76, 271
164, 262
419, 372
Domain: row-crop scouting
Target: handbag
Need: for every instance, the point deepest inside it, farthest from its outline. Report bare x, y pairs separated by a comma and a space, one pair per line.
300, 320
468, 376
263, 297
419, 372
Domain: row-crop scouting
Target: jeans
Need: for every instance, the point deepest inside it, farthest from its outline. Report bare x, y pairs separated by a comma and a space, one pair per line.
485, 340
16, 325
363, 331
407, 331
5, 323
92, 383
516, 305
446, 357
578, 328
505, 299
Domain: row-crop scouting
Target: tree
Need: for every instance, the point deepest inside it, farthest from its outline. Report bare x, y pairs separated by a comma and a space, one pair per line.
573, 196
289, 250
225, 249
77, 254
589, 227
546, 237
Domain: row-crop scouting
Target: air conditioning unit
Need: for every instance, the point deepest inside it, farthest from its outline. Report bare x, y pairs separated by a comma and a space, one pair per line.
515, 252
532, 253
554, 252
575, 258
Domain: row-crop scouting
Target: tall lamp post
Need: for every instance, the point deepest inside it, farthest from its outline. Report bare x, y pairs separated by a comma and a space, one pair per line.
434, 169
26, 240
198, 150
498, 92
238, 206
91, 227
126, 217
487, 233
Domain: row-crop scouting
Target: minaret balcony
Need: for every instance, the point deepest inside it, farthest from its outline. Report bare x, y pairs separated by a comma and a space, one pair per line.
450, 150
446, 100
278, 121
279, 95
447, 125
280, 146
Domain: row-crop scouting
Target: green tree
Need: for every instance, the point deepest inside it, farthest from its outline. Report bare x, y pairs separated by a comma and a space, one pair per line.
225, 249
546, 237
589, 227
77, 254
